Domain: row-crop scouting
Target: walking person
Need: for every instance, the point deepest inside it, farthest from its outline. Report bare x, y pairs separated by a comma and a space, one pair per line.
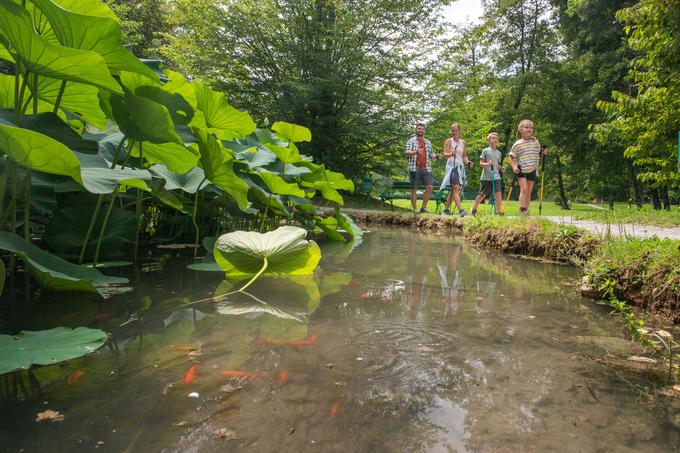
524, 158
419, 152
490, 181
455, 150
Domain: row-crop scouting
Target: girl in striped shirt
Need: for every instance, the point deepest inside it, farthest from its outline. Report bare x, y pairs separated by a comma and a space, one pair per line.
524, 157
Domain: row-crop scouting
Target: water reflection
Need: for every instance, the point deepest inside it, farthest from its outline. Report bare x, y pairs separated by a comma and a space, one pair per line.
404, 343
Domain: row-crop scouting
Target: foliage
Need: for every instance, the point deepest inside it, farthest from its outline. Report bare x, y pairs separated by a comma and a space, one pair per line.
47, 347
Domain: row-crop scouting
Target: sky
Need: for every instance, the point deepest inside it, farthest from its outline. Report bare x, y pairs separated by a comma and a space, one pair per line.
463, 11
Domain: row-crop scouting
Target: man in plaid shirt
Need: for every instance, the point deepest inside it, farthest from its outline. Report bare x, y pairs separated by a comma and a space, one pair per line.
419, 152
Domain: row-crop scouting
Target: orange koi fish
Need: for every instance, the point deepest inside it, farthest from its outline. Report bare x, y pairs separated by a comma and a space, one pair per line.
306, 342
190, 374
241, 374
75, 377
183, 348
282, 378
335, 408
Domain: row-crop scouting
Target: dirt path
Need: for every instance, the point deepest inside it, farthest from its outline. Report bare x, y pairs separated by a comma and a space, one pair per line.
619, 229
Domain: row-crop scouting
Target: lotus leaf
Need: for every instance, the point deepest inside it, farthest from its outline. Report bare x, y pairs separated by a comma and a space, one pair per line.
345, 222
98, 178
288, 155
330, 226
285, 251
47, 347
177, 158
217, 164
264, 198
292, 132
78, 99
57, 274
222, 119
87, 32
54, 127
36, 55
142, 119
191, 182
278, 185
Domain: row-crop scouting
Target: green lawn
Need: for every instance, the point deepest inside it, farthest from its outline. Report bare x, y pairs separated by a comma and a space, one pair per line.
510, 208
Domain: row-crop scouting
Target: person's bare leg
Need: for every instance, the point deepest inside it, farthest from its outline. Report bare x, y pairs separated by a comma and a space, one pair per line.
449, 200
522, 194
456, 196
414, 197
478, 200
426, 196
499, 200
527, 200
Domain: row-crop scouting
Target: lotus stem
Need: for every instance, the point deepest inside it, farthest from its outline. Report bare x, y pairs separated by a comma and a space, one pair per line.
27, 206
90, 228
3, 186
19, 110
59, 96
138, 208
35, 93
103, 229
193, 219
252, 280
264, 214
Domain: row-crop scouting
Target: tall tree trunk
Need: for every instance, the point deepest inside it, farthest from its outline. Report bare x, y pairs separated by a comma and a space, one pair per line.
560, 183
635, 184
665, 198
656, 203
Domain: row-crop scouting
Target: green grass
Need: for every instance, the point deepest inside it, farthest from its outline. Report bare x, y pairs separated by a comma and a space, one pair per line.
510, 208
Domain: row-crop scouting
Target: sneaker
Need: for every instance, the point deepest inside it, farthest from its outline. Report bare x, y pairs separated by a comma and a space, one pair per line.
500, 213
446, 212
423, 211
462, 212
473, 213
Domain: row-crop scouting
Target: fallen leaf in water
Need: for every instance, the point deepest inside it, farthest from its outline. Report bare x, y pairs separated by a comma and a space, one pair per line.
329, 366
223, 434
335, 408
340, 384
50, 416
532, 317
75, 377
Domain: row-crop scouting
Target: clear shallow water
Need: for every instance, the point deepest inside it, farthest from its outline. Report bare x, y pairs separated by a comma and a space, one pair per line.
406, 343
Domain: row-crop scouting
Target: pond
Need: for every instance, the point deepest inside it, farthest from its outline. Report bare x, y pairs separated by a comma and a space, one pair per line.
405, 342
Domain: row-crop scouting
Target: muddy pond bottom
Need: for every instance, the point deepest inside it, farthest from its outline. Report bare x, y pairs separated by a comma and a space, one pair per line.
404, 342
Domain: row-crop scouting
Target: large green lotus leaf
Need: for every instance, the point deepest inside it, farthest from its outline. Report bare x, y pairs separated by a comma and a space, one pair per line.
166, 197
327, 191
180, 110
87, 32
191, 182
178, 158
222, 119
288, 155
178, 84
53, 126
266, 136
345, 222
36, 55
5, 55
68, 227
6, 91
339, 181
330, 226
38, 152
286, 250
98, 178
317, 172
142, 119
256, 158
260, 196
78, 99
278, 185
46, 347
57, 274
217, 164
292, 132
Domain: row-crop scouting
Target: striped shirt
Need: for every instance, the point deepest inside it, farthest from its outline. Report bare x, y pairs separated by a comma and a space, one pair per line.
412, 145
526, 154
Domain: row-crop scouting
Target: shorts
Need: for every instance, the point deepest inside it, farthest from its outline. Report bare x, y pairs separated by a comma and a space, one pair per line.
530, 176
485, 187
454, 179
419, 177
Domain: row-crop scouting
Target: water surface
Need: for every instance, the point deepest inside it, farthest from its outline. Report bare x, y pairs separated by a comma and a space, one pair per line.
405, 343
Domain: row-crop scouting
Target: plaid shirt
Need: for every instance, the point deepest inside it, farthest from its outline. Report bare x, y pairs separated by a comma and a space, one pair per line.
412, 145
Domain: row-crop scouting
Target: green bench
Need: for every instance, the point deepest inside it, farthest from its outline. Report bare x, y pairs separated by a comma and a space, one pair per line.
401, 190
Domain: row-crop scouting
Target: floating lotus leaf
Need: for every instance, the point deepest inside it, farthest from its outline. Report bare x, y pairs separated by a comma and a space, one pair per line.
285, 249
47, 347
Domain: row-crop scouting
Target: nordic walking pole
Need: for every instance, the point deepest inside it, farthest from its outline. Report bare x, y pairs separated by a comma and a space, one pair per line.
540, 202
514, 180
493, 192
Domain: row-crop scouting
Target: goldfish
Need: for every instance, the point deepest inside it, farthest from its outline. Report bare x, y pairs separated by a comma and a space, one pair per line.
183, 348
240, 374
75, 377
190, 374
306, 342
335, 408
282, 378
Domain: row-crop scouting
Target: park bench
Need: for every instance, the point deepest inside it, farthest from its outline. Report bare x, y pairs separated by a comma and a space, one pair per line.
401, 190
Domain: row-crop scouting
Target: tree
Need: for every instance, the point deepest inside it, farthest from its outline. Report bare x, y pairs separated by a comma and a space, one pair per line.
143, 24
346, 70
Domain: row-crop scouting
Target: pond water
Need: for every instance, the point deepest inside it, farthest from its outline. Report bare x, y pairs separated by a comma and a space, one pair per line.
407, 342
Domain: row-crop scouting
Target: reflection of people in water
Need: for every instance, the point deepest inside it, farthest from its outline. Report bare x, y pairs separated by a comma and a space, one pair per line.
416, 282
485, 292
451, 277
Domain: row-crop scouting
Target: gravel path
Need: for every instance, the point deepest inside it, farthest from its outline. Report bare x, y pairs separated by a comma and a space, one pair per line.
619, 229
